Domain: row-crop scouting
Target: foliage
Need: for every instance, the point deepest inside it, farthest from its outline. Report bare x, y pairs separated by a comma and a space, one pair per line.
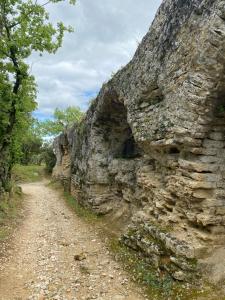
10, 210
27, 144
31, 149
24, 28
81, 211
48, 157
61, 120
31, 173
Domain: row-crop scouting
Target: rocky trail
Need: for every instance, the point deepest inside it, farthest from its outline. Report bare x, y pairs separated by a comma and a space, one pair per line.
56, 255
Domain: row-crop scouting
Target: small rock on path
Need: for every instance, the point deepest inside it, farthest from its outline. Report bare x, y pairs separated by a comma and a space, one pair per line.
57, 256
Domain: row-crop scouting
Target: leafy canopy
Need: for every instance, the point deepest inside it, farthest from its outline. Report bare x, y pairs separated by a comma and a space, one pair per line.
62, 118
24, 28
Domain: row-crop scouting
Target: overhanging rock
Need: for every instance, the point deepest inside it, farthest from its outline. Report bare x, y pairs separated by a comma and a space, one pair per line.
151, 149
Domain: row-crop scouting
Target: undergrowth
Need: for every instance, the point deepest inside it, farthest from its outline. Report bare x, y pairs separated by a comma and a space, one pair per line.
80, 211
9, 211
28, 173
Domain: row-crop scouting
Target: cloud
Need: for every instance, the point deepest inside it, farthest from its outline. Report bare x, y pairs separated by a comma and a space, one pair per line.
106, 36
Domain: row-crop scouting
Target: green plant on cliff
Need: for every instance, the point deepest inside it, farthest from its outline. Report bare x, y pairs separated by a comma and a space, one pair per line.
24, 29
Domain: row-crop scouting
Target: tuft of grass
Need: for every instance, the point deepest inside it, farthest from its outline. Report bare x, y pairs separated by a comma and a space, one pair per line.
30, 173
10, 208
80, 211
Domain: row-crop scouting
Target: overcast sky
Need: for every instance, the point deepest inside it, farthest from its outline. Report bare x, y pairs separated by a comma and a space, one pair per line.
107, 33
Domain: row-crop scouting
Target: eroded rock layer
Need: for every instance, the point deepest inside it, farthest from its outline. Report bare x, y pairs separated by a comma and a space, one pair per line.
151, 149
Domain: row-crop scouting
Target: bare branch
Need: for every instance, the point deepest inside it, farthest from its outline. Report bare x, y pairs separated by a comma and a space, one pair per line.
46, 3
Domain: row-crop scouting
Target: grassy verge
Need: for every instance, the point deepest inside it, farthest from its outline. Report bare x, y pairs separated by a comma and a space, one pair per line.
10, 211
29, 173
80, 211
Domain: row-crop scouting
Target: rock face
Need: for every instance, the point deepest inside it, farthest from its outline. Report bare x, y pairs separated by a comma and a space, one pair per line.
62, 146
151, 149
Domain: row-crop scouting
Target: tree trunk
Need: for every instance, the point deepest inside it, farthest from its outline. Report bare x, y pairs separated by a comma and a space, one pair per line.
5, 168
6, 138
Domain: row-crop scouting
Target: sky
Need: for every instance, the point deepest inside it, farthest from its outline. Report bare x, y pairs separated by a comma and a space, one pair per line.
106, 35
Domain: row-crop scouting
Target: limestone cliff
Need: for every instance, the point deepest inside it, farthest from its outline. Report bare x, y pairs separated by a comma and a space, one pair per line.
151, 149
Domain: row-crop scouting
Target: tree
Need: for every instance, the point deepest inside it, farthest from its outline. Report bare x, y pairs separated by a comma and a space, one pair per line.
31, 147
26, 142
61, 119
24, 28
48, 157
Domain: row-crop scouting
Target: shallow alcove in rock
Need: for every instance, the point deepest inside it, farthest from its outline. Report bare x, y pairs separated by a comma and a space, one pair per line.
130, 148
113, 159
173, 150
117, 138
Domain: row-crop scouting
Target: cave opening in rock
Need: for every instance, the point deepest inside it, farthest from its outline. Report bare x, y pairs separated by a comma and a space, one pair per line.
174, 150
62, 150
130, 148
118, 140
219, 106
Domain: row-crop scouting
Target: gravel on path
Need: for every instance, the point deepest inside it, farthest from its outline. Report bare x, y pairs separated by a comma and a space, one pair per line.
56, 255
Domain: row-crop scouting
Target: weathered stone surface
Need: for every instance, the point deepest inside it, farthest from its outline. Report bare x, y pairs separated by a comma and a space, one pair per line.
62, 148
152, 143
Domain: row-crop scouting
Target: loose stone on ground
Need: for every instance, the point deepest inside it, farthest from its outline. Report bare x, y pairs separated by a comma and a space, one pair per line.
57, 256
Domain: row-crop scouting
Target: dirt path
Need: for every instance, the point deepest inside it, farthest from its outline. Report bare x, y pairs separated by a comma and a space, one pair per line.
41, 264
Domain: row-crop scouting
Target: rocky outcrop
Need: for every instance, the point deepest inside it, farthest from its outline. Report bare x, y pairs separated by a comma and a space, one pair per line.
62, 146
151, 149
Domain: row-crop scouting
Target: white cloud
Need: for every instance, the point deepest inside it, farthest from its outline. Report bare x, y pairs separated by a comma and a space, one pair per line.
106, 36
